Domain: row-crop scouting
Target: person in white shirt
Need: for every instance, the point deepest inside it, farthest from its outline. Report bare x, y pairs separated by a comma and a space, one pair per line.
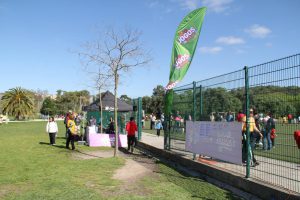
52, 129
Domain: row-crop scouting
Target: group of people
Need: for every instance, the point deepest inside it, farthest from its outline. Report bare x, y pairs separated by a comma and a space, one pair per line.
3, 118
156, 122
72, 123
262, 130
227, 116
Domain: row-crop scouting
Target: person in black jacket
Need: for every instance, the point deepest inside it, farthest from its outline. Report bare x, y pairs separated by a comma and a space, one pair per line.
269, 126
111, 127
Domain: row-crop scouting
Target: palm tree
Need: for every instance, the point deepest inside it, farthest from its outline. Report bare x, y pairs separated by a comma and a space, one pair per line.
18, 102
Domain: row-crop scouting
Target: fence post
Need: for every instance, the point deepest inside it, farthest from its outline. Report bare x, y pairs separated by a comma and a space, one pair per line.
194, 108
201, 102
169, 131
139, 118
247, 121
166, 131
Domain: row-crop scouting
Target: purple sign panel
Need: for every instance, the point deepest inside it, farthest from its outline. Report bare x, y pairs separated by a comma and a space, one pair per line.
221, 140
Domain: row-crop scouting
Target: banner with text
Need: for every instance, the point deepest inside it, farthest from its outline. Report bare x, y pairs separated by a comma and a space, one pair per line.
221, 140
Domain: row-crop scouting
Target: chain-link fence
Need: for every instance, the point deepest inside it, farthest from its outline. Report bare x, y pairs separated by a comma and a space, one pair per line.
271, 90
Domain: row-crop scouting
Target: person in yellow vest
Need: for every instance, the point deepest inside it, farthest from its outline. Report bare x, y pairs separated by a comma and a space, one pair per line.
253, 129
71, 132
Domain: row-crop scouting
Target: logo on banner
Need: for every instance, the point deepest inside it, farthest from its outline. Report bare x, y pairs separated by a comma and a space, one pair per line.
171, 85
182, 60
186, 35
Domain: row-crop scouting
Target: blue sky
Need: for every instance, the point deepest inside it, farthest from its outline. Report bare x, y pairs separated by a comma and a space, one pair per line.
37, 39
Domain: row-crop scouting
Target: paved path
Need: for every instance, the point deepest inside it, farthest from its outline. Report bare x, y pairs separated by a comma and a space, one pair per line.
275, 172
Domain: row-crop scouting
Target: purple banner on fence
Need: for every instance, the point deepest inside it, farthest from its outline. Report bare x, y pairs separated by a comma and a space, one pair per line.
221, 140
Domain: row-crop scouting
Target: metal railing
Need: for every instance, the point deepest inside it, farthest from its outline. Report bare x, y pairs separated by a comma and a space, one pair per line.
272, 87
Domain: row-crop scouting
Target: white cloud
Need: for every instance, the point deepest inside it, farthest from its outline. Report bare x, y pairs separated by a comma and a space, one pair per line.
240, 51
230, 40
217, 6
210, 50
168, 10
258, 31
153, 4
269, 44
189, 4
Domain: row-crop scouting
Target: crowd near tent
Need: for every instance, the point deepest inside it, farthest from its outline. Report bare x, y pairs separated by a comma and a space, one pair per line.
108, 99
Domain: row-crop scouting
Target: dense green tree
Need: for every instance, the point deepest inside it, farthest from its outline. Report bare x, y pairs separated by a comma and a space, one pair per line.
219, 100
73, 100
49, 107
146, 103
18, 102
126, 98
157, 100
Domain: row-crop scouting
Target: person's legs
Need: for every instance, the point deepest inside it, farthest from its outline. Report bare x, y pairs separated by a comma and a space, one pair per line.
50, 137
273, 142
269, 140
68, 141
128, 142
252, 144
244, 149
67, 133
257, 138
72, 137
265, 140
158, 132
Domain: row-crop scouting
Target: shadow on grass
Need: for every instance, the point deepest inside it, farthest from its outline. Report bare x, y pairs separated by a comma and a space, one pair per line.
138, 157
57, 146
91, 155
197, 187
61, 138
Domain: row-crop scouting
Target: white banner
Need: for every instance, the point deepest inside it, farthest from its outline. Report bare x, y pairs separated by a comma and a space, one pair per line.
221, 140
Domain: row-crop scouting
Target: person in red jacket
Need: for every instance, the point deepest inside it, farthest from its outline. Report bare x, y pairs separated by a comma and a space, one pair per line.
131, 128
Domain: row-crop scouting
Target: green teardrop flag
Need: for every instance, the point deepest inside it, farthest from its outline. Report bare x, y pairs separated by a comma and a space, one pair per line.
185, 42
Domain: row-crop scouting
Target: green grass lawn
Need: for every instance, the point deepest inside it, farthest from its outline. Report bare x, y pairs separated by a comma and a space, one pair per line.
32, 169
285, 145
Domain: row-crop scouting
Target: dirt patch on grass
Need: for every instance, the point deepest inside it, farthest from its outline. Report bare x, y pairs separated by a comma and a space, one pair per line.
12, 189
136, 168
132, 171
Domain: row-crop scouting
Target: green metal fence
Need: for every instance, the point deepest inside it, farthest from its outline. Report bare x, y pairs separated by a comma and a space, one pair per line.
270, 87
137, 114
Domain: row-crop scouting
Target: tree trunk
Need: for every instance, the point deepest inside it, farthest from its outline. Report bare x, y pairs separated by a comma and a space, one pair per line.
116, 114
100, 108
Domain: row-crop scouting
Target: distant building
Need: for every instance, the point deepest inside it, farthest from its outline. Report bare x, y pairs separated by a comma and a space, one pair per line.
52, 96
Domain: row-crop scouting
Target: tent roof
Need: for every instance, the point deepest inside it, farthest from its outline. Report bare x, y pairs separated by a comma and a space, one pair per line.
108, 101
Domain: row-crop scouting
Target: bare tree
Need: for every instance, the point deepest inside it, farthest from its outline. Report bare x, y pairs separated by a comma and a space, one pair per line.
116, 53
101, 84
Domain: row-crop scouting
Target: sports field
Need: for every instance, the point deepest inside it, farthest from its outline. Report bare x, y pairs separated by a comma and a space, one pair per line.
32, 169
285, 146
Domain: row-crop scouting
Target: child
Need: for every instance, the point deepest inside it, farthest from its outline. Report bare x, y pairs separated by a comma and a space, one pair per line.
71, 132
273, 136
131, 128
52, 129
158, 126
